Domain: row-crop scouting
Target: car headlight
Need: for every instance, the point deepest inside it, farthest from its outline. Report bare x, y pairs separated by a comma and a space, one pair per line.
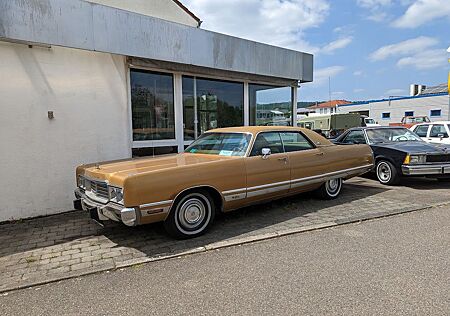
415, 159
81, 182
116, 194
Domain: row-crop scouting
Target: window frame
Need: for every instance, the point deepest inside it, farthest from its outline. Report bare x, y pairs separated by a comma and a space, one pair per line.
409, 113
440, 113
428, 125
356, 130
282, 143
438, 124
313, 146
385, 118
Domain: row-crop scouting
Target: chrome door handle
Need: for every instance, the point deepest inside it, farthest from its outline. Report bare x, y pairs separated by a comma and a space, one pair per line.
283, 159
319, 154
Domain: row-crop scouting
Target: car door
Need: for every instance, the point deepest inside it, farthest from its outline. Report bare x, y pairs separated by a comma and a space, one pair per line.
307, 162
422, 131
267, 176
438, 134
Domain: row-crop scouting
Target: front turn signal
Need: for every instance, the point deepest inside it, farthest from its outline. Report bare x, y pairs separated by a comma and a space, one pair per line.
407, 160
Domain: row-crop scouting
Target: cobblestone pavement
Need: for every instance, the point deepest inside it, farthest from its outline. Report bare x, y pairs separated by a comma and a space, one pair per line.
66, 245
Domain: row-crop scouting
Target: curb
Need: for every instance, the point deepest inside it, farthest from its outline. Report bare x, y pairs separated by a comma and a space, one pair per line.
223, 244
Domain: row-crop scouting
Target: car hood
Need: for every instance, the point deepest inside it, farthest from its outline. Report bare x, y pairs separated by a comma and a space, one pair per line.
415, 147
117, 171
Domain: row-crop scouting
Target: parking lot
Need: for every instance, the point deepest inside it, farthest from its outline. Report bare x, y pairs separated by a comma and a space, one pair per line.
51, 248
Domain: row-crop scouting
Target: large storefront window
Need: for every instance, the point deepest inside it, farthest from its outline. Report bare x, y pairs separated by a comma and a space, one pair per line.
270, 105
152, 105
209, 104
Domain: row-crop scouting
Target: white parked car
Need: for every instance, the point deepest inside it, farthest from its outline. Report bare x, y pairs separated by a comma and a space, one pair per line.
433, 132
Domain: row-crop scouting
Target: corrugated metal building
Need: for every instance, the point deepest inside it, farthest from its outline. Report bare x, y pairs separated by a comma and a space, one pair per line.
432, 102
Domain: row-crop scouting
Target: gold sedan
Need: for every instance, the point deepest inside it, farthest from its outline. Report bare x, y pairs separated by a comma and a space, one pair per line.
224, 169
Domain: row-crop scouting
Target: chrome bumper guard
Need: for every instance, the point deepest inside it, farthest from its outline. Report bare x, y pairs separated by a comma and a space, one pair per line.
424, 170
108, 211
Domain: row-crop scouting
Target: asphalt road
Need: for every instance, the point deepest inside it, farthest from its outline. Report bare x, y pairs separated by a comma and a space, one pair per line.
393, 266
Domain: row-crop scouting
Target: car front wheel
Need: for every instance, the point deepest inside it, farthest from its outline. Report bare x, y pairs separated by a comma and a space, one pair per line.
387, 173
330, 189
191, 215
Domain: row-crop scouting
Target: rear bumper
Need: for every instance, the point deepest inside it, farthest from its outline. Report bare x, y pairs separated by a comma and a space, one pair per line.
109, 211
425, 170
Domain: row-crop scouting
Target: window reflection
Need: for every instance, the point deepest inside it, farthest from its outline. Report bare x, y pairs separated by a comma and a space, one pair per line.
209, 104
270, 105
152, 105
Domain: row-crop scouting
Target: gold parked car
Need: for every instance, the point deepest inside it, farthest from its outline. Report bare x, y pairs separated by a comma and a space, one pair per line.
224, 169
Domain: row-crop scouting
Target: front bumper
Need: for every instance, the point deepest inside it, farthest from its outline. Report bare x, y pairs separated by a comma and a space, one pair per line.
425, 170
109, 211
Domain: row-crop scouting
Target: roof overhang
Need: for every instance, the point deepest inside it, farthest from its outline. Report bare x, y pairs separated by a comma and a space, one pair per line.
94, 27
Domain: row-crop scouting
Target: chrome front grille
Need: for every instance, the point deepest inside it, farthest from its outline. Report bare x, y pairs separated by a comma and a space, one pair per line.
100, 189
438, 158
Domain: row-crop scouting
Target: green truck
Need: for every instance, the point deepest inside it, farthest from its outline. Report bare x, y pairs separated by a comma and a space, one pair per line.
331, 125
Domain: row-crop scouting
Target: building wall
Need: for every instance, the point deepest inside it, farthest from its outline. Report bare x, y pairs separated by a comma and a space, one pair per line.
419, 105
163, 9
87, 92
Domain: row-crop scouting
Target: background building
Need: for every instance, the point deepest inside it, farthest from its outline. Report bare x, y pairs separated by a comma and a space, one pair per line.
328, 107
425, 101
102, 80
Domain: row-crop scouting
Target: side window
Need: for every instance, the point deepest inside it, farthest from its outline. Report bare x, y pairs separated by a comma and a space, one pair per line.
438, 130
354, 137
270, 140
421, 130
386, 116
295, 142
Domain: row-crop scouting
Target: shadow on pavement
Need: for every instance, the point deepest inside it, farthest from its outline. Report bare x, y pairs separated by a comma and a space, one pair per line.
152, 240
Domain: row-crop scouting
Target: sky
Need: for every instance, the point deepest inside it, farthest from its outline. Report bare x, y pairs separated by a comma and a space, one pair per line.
369, 49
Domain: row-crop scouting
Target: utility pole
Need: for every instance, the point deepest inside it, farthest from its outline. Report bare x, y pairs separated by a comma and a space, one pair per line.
329, 88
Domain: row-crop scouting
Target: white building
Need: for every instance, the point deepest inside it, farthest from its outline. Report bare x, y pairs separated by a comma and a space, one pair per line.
432, 102
86, 81
328, 107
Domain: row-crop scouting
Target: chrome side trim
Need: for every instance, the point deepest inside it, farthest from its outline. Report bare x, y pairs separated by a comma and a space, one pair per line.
268, 190
156, 204
234, 197
268, 185
334, 173
236, 194
234, 191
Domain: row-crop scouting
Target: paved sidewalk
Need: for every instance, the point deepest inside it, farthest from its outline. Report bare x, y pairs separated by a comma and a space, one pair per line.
61, 246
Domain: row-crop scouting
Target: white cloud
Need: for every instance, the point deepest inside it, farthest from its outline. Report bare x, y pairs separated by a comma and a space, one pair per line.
392, 92
427, 59
370, 4
410, 46
276, 22
358, 73
358, 90
337, 44
321, 75
376, 8
423, 11
338, 93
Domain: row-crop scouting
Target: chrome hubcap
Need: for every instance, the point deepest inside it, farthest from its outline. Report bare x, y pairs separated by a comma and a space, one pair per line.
384, 172
333, 184
192, 213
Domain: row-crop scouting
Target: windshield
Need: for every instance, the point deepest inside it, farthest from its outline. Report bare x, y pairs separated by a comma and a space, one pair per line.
420, 119
370, 121
223, 144
383, 135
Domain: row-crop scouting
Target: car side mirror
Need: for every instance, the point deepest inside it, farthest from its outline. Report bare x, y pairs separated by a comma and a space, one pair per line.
441, 136
265, 152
